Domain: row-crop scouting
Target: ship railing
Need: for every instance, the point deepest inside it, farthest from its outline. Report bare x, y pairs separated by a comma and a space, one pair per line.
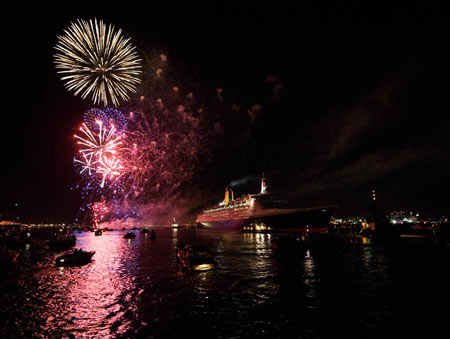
226, 207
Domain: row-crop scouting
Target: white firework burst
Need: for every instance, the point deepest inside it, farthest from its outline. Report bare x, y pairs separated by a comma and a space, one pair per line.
99, 61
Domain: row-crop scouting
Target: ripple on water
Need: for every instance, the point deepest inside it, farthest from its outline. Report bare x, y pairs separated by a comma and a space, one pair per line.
264, 285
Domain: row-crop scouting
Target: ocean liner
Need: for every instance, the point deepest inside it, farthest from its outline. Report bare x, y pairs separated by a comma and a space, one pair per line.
264, 211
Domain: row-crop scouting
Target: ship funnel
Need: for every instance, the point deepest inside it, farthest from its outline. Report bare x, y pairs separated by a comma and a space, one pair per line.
227, 196
232, 195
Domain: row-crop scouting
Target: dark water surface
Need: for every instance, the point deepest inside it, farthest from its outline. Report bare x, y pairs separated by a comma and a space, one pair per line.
265, 286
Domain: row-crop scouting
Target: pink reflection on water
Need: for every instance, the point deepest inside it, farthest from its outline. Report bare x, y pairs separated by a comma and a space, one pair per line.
97, 296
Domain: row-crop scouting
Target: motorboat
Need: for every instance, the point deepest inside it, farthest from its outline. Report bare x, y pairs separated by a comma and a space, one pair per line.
98, 232
76, 258
196, 258
174, 224
129, 235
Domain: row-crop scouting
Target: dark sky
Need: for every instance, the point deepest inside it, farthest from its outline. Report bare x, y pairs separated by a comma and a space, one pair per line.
354, 97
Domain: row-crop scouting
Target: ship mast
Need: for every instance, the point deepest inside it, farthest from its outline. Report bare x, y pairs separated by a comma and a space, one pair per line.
263, 185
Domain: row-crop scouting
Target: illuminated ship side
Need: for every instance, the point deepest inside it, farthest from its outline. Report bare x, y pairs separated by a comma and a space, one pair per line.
270, 210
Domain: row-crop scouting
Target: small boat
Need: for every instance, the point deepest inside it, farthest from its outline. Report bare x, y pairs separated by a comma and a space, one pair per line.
9, 256
152, 235
174, 224
76, 258
129, 235
144, 231
98, 232
196, 258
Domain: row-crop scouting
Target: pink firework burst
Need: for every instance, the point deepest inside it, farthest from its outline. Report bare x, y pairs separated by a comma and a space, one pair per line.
105, 141
109, 167
99, 151
100, 210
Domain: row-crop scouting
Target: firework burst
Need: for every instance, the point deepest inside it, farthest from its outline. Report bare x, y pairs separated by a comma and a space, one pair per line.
97, 60
105, 142
109, 167
99, 146
100, 210
109, 117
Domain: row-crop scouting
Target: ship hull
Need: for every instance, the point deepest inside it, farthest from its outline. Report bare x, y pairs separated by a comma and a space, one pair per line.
308, 219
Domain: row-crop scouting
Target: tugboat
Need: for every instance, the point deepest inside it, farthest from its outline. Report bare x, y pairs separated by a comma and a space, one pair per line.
76, 258
98, 232
196, 258
129, 235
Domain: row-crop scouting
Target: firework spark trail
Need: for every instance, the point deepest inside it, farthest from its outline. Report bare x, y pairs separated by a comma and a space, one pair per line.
159, 151
99, 61
86, 162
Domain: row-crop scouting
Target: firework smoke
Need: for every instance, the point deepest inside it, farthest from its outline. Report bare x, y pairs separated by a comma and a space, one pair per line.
172, 133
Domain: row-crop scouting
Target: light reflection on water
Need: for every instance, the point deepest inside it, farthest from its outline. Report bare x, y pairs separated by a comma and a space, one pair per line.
266, 284
94, 297
104, 289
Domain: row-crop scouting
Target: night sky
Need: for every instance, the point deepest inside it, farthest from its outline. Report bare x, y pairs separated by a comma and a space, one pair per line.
344, 98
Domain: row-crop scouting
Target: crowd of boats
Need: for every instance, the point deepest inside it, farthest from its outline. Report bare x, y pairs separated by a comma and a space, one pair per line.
37, 242
383, 229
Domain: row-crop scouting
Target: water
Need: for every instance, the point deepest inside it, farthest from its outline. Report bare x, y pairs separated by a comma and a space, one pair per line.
265, 285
